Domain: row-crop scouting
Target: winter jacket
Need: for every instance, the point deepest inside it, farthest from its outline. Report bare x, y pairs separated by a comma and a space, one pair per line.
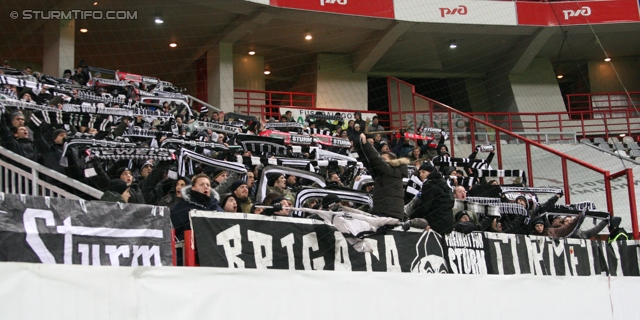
588, 234
558, 232
436, 204
536, 211
388, 191
244, 204
470, 226
110, 196
169, 200
22, 147
190, 200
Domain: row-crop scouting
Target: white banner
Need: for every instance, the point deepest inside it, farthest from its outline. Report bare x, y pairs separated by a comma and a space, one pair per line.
465, 12
299, 114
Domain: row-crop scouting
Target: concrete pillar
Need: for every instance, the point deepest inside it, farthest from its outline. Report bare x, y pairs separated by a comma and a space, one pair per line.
248, 74
537, 89
338, 86
59, 47
220, 76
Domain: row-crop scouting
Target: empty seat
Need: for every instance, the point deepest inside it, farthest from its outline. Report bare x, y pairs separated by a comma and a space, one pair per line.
585, 140
613, 140
627, 140
514, 141
633, 145
618, 146
604, 146
621, 153
634, 153
599, 141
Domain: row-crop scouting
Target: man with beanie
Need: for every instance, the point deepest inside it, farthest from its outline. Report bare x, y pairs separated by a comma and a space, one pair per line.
541, 228
175, 194
387, 172
435, 201
277, 183
16, 139
118, 191
240, 190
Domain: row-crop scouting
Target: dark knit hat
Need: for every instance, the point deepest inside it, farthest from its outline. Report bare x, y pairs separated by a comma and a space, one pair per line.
427, 166
520, 198
329, 200
225, 198
460, 214
118, 186
272, 178
120, 171
217, 172
235, 185
186, 180
16, 114
147, 163
277, 200
55, 101
539, 220
58, 132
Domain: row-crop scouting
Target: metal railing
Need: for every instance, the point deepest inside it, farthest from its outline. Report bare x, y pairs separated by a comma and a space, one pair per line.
583, 123
604, 101
409, 109
19, 175
251, 102
541, 137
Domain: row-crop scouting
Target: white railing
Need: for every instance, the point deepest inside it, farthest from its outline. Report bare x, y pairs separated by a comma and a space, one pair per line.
484, 136
27, 179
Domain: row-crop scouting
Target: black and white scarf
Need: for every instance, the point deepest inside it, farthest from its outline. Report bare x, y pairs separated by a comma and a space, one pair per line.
214, 126
136, 153
187, 159
479, 208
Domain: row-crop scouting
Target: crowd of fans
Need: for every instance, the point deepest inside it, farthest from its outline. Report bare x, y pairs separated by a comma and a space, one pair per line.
410, 178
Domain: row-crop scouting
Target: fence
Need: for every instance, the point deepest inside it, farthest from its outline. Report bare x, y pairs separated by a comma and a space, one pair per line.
544, 165
19, 175
252, 102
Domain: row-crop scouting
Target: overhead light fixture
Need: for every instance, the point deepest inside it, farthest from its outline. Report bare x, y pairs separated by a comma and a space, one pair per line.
622, 135
308, 37
158, 19
173, 44
267, 72
559, 76
95, 3
84, 30
607, 59
452, 45
252, 52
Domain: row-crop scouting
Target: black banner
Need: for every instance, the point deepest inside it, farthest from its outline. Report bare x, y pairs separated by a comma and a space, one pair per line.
252, 241
62, 231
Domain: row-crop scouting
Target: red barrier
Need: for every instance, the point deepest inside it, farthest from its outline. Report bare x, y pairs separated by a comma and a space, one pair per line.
399, 91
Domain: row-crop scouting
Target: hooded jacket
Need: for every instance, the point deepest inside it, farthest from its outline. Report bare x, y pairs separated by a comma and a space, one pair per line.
436, 204
388, 191
190, 200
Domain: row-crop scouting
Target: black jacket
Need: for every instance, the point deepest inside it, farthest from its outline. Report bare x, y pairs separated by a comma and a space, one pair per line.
388, 191
436, 204
22, 147
190, 200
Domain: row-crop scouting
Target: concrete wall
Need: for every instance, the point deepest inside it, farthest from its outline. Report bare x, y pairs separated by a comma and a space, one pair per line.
537, 90
338, 87
248, 72
603, 78
478, 95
